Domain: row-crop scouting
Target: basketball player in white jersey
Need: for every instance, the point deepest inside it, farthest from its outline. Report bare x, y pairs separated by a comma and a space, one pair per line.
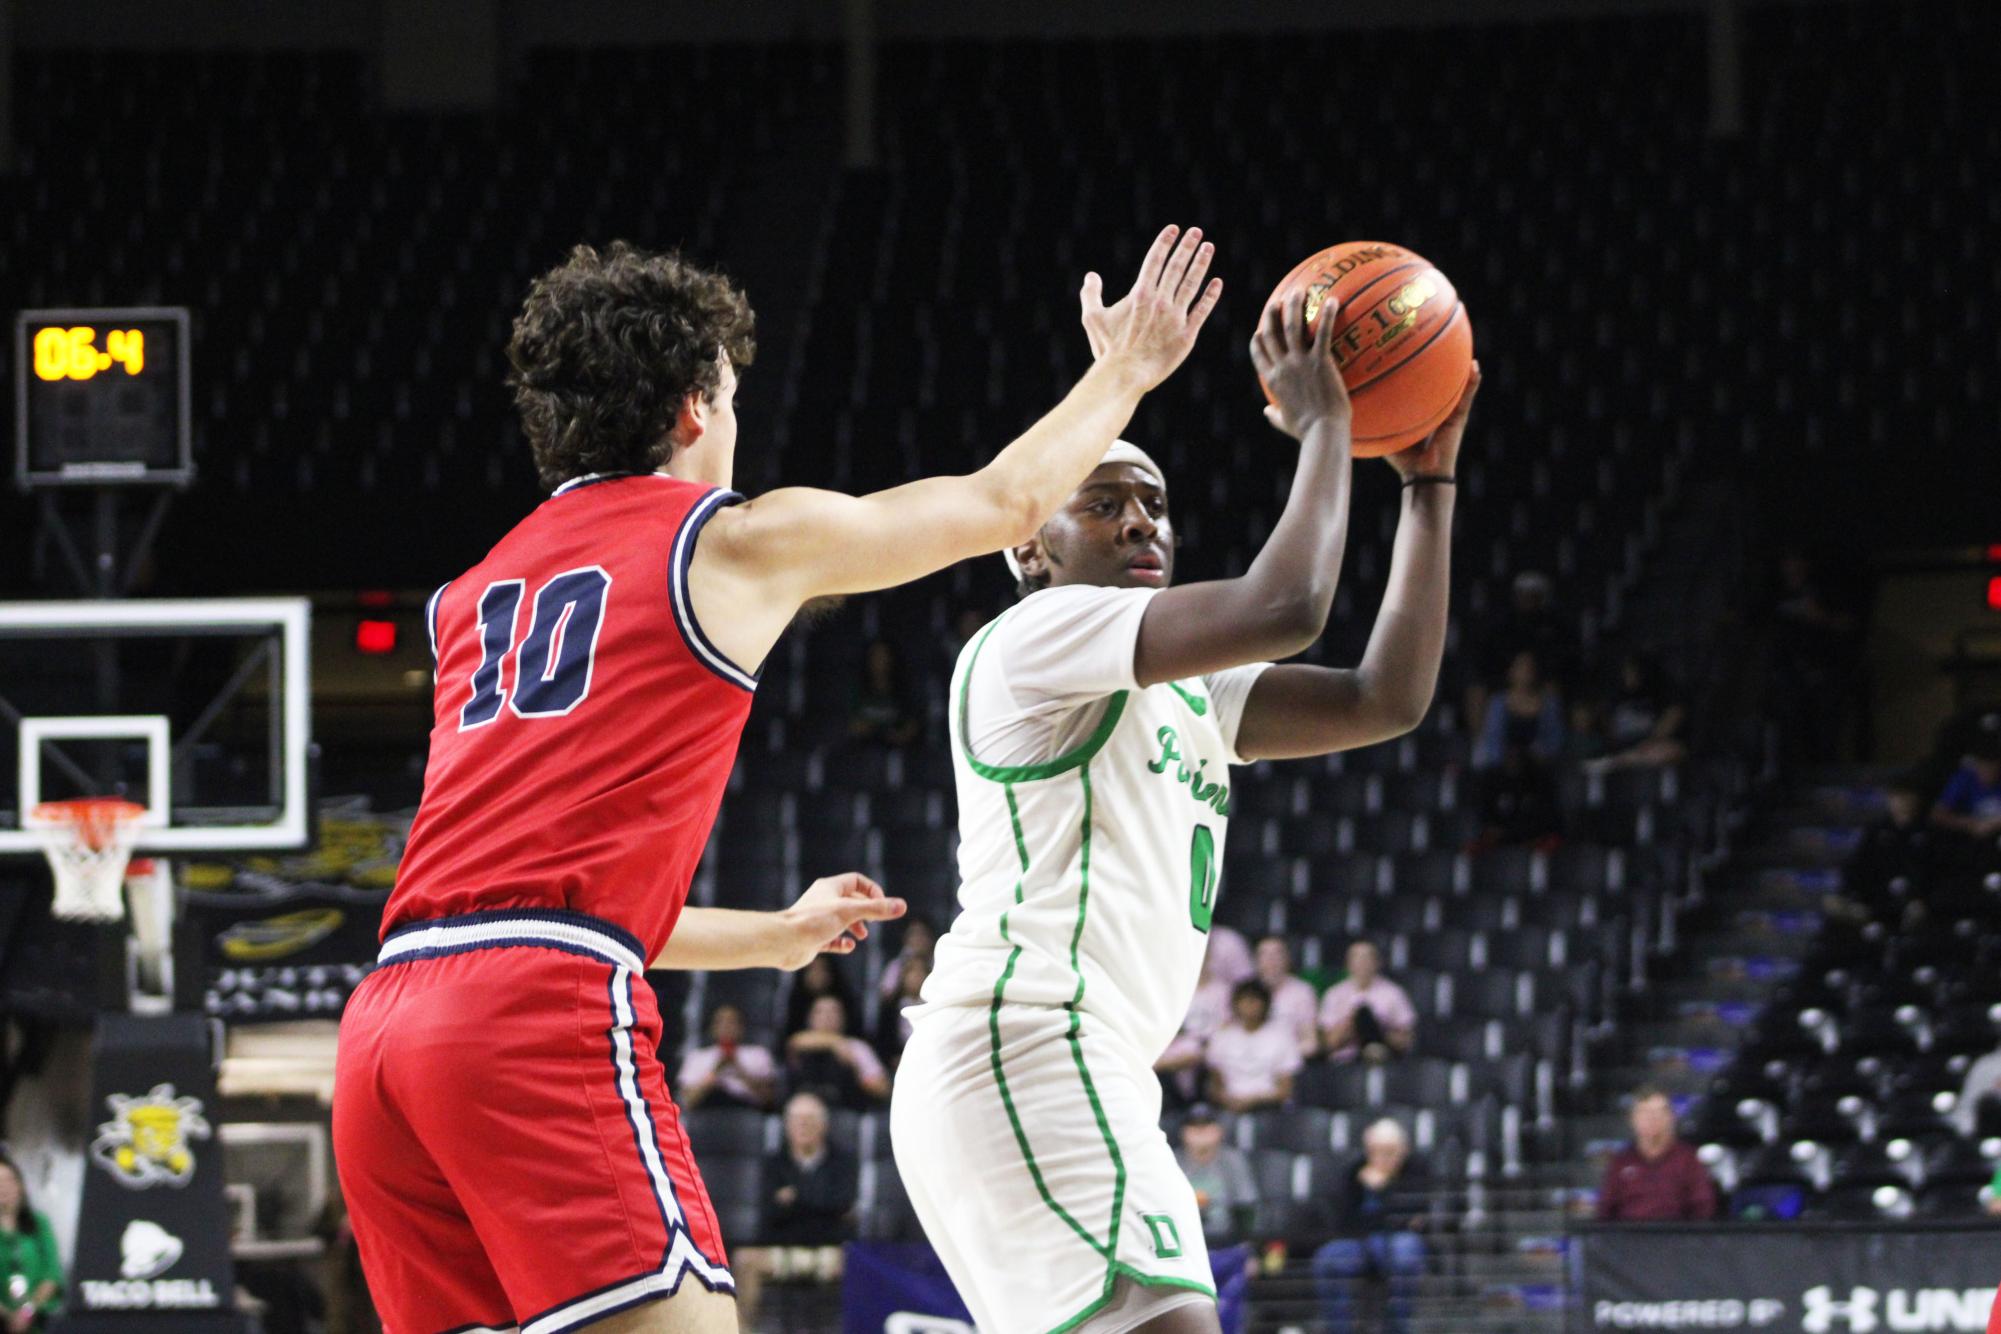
1093, 728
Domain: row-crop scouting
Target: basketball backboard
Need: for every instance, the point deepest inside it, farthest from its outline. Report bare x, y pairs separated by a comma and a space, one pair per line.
197, 708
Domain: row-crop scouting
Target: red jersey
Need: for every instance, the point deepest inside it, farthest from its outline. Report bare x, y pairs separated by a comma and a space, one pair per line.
584, 727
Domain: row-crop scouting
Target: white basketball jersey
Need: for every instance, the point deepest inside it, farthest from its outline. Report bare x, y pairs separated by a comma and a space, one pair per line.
1092, 816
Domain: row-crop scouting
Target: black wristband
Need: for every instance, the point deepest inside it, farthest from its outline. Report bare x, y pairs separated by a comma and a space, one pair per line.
1409, 482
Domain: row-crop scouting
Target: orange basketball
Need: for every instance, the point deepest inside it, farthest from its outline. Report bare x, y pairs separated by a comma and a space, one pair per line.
1402, 338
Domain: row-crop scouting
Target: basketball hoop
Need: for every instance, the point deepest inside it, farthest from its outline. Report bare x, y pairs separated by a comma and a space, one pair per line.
88, 841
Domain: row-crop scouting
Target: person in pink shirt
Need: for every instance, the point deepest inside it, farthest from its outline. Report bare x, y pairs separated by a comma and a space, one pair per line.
1366, 1015
1295, 1005
1180, 1066
1228, 956
729, 1071
1251, 1060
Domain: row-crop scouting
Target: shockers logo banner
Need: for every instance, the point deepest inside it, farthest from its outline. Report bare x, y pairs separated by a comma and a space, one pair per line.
153, 1235
145, 1143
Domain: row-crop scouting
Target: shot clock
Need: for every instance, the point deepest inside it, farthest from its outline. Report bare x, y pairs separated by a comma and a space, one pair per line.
101, 397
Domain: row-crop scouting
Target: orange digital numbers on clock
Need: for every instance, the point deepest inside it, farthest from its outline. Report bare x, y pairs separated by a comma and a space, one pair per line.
73, 354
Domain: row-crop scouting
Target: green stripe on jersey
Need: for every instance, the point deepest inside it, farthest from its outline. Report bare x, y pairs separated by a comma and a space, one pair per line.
1077, 1049
1029, 773
994, 1050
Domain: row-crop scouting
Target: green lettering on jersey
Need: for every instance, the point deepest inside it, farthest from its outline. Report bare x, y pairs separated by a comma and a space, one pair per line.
1202, 875
1214, 795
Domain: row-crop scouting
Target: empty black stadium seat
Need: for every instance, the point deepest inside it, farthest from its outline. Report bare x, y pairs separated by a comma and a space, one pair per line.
726, 1131
1276, 1171
1892, 1163
1962, 1162
1333, 1085
1302, 1129
1448, 951
1435, 873
1494, 994
1419, 1081
734, 1182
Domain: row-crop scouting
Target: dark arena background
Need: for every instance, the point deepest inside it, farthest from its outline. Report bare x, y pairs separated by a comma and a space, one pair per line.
1727, 542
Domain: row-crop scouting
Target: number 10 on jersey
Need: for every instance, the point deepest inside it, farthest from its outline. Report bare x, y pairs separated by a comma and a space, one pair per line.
552, 669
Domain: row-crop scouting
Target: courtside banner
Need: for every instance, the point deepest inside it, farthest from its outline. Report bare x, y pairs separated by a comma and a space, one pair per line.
899, 1288
152, 1242
1794, 1279
273, 951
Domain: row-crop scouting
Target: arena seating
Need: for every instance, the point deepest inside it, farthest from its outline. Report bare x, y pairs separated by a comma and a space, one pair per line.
1641, 295
1845, 1092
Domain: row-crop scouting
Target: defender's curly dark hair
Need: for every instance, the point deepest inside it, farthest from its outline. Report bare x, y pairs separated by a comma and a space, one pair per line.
606, 347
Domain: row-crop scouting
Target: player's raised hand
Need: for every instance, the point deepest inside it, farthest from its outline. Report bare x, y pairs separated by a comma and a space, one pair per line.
832, 916
1298, 367
1152, 327
1437, 455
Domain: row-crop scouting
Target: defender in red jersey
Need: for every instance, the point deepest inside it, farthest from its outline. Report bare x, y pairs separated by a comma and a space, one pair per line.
507, 1147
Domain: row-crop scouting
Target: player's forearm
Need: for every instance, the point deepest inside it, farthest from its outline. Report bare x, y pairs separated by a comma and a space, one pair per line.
1029, 480
712, 939
1279, 606
1300, 564
1399, 671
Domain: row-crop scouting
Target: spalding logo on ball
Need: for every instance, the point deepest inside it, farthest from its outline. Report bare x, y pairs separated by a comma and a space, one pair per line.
1402, 338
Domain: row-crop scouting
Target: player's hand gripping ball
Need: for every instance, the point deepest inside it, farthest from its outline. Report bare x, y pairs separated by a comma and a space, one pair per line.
1402, 338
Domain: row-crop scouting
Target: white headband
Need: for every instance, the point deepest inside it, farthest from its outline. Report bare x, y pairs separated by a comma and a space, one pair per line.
1122, 451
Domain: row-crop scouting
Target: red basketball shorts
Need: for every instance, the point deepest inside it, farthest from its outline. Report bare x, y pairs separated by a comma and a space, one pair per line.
506, 1146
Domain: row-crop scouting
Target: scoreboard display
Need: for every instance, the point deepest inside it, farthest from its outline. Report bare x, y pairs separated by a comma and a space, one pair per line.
101, 397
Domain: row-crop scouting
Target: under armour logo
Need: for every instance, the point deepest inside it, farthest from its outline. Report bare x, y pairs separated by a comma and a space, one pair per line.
1822, 1310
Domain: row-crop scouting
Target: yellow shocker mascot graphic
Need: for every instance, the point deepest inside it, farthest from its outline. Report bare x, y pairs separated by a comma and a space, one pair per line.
145, 1143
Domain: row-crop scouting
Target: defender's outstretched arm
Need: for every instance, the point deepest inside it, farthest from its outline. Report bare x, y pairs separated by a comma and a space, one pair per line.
759, 562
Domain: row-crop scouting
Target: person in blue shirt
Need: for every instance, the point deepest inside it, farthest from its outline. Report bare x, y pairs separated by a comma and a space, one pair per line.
1971, 801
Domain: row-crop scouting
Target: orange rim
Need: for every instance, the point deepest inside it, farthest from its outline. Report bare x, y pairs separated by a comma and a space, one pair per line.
92, 818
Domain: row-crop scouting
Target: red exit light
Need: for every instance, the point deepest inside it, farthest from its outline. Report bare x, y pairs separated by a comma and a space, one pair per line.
1994, 593
375, 637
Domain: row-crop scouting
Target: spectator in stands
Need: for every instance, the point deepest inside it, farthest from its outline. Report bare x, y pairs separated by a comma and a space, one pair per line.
1527, 714
1644, 720
826, 1060
1900, 845
31, 1273
1657, 1178
1251, 1060
729, 1072
811, 1189
1981, 1091
1971, 801
1817, 656
1518, 805
1228, 957
1180, 1066
892, 1030
1365, 1016
1225, 1191
1295, 1005
1378, 1219
1584, 738
920, 938
883, 709
1528, 624
818, 978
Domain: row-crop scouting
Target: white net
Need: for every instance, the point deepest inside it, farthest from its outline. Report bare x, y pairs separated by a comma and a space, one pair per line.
88, 843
